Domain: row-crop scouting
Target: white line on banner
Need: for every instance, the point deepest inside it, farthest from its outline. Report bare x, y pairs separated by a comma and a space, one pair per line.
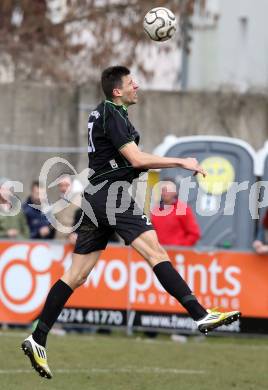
131, 318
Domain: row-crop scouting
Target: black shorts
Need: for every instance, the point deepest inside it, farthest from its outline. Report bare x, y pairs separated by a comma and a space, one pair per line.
109, 210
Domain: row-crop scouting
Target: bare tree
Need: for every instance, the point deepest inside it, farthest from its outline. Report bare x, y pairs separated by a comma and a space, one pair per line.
68, 40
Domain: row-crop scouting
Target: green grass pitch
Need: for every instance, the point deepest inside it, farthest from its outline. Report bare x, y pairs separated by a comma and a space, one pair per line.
118, 362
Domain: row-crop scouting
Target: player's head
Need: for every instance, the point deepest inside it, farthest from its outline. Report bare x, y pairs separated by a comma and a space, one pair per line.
118, 85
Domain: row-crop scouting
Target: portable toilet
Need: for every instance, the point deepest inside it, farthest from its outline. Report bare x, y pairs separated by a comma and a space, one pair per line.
224, 202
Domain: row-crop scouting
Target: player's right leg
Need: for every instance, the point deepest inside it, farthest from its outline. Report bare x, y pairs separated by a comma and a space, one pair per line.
206, 320
148, 246
34, 345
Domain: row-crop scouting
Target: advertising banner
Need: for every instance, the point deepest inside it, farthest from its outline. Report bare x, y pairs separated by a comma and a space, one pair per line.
122, 289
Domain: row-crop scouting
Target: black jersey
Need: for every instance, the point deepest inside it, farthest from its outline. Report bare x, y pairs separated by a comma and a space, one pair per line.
109, 129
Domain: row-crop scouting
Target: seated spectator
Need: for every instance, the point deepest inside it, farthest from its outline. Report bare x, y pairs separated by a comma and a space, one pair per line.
13, 224
66, 215
173, 229
261, 243
39, 225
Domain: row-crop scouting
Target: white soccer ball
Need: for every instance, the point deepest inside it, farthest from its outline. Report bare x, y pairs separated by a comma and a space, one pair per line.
160, 24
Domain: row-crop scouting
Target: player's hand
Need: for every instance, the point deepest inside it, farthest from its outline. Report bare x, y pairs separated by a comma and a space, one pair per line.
192, 165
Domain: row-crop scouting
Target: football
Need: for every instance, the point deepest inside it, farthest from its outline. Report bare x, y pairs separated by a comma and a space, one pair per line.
160, 24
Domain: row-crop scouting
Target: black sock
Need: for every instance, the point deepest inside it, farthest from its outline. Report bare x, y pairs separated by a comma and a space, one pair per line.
177, 287
56, 299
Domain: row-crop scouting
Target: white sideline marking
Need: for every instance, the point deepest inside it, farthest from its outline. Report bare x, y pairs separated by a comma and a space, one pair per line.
203, 343
198, 343
13, 334
145, 370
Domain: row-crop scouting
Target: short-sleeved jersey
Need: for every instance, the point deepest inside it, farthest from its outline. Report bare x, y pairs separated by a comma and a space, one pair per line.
109, 129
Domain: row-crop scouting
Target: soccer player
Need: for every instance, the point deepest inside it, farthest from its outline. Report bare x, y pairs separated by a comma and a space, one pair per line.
116, 159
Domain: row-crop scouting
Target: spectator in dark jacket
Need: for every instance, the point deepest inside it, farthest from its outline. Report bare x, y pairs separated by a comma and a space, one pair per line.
38, 223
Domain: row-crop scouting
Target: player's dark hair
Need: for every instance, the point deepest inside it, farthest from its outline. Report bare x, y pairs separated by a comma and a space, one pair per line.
112, 78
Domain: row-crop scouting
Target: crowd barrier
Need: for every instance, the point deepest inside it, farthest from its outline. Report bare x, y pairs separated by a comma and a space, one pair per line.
122, 291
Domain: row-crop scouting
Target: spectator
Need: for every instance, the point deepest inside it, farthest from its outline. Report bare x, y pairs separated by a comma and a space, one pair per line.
261, 243
173, 229
12, 220
66, 216
39, 225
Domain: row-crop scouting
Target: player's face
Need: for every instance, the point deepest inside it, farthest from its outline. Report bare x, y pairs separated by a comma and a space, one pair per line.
128, 91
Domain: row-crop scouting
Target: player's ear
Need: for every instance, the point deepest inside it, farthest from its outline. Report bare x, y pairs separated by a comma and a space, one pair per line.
117, 92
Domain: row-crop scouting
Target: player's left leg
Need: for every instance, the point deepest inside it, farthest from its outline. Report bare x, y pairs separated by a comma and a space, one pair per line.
148, 246
34, 345
90, 242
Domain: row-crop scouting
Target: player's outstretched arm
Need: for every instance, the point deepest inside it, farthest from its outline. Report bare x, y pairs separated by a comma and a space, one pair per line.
141, 160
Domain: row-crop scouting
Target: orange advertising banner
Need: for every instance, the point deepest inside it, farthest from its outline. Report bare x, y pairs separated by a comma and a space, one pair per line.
223, 279
122, 280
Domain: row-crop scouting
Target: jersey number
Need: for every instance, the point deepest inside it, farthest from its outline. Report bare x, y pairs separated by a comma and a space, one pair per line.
91, 147
148, 222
